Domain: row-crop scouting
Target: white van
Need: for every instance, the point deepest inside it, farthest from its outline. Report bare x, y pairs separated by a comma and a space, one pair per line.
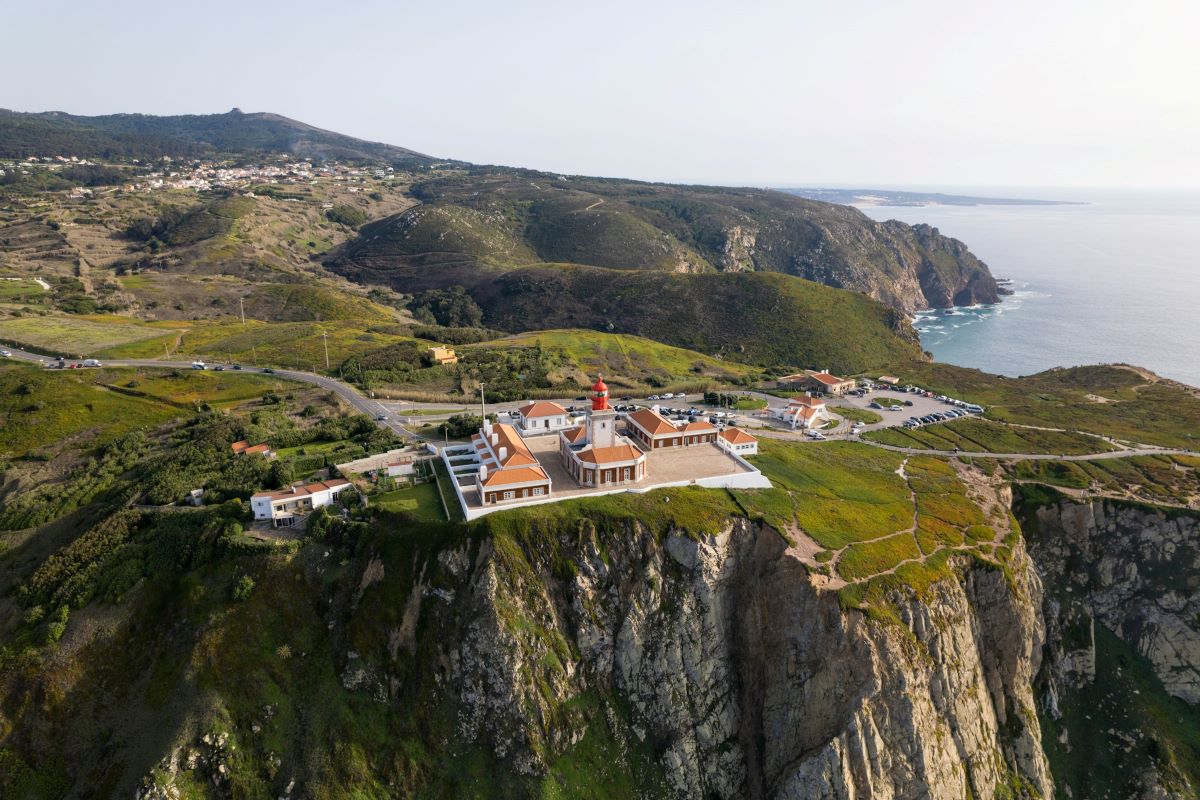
199, 365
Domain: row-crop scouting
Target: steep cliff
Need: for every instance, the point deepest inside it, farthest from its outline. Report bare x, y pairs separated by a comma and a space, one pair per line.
719, 661
1121, 681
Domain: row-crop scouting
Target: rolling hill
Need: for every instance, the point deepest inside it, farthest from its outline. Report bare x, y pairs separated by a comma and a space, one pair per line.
470, 222
143, 136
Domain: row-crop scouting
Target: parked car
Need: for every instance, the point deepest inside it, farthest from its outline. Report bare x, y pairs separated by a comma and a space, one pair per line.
237, 366
381, 417
219, 368
626, 398
6, 353
581, 397
268, 371
653, 397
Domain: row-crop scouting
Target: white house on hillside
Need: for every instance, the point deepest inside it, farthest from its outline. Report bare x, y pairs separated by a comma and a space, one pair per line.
542, 416
737, 441
804, 411
286, 505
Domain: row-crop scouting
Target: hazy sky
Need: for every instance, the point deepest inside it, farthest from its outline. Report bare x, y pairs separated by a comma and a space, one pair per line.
928, 92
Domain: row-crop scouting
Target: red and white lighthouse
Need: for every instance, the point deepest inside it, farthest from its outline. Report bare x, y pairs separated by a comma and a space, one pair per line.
600, 395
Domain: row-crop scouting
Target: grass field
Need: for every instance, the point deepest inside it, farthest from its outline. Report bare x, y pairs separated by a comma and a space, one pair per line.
838, 493
13, 289
421, 501
1164, 478
40, 407
631, 357
1114, 400
871, 558
854, 414
76, 336
297, 345
980, 435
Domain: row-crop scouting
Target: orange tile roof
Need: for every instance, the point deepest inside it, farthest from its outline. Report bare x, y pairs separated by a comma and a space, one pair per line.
652, 423
258, 448
511, 475
736, 436
806, 400
541, 408
575, 434
610, 455
238, 447
698, 427
507, 436
826, 378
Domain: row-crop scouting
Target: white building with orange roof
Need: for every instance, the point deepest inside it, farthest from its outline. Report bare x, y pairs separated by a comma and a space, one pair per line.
736, 440
594, 454
542, 416
804, 411
286, 506
508, 471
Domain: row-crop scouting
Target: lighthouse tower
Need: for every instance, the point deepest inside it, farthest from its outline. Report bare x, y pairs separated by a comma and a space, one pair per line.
602, 421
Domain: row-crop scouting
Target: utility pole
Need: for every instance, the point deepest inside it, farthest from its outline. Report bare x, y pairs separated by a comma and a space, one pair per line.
482, 405
325, 341
242, 309
254, 355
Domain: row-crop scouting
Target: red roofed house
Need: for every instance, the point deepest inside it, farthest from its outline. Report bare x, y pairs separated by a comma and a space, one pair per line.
286, 505
737, 441
655, 431
507, 469
243, 448
830, 384
542, 416
804, 411
593, 454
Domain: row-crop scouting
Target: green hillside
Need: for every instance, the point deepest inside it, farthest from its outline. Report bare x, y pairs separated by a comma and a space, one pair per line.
143, 136
484, 217
757, 318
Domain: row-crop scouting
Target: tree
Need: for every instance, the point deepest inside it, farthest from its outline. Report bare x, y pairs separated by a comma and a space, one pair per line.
281, 474
452, 307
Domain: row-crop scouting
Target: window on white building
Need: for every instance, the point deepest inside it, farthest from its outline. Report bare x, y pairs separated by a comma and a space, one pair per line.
627, 473
538, 491
509, 495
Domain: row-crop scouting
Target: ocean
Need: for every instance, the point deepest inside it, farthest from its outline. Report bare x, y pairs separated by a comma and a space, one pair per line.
1116, 279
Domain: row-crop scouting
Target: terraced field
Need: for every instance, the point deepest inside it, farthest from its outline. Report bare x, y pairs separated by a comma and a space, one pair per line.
871, 520
973, 434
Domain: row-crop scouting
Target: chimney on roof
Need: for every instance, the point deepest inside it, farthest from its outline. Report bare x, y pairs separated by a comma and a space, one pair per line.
482, 473
495, 439
503, 454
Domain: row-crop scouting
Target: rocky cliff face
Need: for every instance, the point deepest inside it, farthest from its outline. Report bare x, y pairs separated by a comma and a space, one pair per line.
1134, 570
740, 677
1120, 577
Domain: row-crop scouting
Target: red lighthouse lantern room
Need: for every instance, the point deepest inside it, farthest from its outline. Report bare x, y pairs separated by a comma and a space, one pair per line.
600, 395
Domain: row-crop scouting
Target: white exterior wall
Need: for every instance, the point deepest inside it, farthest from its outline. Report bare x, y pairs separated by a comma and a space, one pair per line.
553, 424
261, 507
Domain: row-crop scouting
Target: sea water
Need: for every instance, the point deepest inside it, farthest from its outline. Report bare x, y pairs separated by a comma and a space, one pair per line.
1114, 279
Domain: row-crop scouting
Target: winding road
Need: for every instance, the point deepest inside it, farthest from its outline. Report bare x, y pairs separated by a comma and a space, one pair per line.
389, 410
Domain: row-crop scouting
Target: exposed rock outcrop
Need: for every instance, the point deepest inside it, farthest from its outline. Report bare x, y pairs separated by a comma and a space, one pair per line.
747, 681
1134, 570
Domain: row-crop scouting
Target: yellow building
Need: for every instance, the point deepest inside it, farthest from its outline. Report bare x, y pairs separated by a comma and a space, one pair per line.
443, 355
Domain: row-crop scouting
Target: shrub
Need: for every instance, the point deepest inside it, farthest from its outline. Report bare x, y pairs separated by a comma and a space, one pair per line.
243, 588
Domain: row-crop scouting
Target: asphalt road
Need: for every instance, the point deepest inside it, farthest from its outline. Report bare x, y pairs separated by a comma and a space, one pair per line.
395, 409
355, 398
